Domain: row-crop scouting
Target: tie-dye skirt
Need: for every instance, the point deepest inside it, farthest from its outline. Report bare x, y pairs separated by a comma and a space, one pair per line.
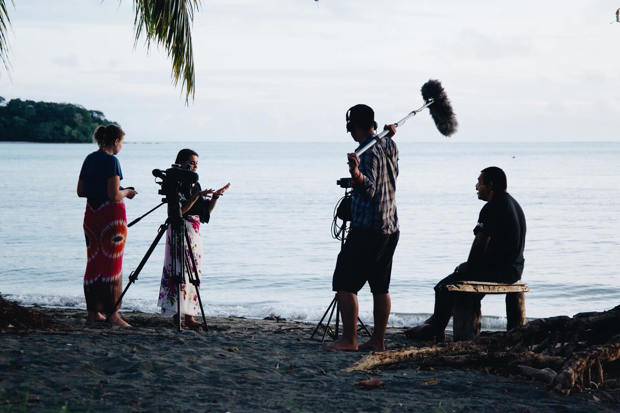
105, 229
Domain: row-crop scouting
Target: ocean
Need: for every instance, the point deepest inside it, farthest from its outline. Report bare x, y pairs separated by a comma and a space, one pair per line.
268, 249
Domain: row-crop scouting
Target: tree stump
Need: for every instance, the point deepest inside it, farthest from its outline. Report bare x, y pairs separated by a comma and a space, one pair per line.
515, 310
466, 316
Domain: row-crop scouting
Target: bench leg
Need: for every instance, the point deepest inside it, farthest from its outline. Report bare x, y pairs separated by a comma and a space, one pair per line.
466, 316
515, 310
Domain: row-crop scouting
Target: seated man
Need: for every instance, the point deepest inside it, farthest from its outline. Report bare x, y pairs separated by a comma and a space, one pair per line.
496, 254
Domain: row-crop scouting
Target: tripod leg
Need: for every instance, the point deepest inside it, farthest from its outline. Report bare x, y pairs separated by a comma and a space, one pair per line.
329, 320
337, 316
322, 318
134, 274
194, 278
178, 260
359, 320
195, 281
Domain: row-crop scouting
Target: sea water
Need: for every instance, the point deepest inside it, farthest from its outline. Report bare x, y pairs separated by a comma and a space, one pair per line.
268, 248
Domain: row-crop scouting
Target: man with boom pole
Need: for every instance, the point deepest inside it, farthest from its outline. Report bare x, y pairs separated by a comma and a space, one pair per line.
367, 253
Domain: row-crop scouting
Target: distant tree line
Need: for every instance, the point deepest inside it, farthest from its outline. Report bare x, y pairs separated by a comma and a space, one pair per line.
27, 120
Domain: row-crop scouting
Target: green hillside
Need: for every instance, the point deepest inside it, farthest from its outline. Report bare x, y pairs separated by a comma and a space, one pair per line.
27, 120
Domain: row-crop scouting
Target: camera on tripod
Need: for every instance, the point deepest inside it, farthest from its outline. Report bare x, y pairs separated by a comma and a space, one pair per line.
175, 181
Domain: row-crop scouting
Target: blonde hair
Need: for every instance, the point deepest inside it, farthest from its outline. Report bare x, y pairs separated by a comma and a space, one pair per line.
106, 135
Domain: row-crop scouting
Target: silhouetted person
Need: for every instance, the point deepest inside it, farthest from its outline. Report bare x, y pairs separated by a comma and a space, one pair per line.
369, 247
496, 254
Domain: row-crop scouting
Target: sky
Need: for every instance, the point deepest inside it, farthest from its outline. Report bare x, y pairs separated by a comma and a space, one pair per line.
287, 70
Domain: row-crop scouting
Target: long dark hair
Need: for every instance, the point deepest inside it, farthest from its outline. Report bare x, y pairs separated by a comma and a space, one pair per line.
184, 155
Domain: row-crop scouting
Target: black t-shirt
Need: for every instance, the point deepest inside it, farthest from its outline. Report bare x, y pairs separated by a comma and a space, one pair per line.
502, 219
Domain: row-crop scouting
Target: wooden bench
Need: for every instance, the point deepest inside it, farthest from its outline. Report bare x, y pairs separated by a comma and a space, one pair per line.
466, 314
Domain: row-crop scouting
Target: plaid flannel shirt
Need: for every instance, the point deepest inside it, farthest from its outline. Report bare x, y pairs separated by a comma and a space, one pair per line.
373, 204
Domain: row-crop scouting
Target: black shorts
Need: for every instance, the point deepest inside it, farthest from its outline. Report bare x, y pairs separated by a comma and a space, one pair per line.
365, 256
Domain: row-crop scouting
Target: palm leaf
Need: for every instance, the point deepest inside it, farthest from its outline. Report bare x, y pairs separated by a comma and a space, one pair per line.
4, 24
168, 23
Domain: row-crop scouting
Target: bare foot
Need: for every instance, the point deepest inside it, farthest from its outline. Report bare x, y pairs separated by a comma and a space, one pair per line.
190, 322
372, 345
94, 316
117, 320
341, 345
425, 332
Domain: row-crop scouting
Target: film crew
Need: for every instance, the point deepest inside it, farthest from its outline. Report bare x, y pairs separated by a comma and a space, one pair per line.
367, 252
195, 208
496, 254
105, 224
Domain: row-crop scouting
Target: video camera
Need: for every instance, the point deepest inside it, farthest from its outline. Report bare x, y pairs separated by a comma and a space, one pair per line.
175, 181
345, 182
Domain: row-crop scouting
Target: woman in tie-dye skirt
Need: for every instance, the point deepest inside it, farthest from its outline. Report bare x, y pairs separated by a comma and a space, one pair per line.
105, 225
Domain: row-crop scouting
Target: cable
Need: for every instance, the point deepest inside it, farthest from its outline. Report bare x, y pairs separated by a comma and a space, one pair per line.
337, 229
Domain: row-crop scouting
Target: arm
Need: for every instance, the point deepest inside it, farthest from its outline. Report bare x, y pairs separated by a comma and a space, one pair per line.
80, 189
116, 194
365, 183
476, 252
216, 195
189, 204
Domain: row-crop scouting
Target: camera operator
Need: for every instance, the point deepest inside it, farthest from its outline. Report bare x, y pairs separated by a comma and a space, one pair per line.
367, 253
195, 209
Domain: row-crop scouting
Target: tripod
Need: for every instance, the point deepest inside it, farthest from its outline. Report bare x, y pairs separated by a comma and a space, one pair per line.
181, 259
338, 233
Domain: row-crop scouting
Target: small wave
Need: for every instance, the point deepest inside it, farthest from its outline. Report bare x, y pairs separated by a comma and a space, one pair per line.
256, 311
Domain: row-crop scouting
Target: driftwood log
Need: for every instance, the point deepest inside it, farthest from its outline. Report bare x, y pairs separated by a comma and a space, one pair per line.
569, 354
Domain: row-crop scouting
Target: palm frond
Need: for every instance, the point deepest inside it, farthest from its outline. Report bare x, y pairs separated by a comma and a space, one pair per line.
168, 23
5, 21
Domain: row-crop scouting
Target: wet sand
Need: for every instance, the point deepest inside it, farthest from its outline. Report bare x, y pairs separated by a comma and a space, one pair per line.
239, 365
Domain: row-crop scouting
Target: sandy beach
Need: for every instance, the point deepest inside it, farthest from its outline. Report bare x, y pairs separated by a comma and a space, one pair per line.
239, 365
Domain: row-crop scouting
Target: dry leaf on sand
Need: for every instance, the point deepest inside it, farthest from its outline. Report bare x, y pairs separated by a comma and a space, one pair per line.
369, 384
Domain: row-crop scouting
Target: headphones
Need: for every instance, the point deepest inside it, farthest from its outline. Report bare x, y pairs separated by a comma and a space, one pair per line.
350, 123
349, 120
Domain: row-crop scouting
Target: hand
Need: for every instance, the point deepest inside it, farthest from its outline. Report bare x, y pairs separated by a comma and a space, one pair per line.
131, 193
221, 191
354, 162
392, 130
204, 193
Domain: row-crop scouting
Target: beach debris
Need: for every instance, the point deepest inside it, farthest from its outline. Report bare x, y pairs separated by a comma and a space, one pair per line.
575, 354
273, 317
545, 375
369, 384
430, 382
15, 316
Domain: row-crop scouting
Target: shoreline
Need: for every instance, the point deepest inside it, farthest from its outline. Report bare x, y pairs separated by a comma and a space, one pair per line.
239, 365
398, 320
